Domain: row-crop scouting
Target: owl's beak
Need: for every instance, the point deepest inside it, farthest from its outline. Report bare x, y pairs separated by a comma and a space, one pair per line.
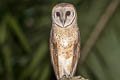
62, 19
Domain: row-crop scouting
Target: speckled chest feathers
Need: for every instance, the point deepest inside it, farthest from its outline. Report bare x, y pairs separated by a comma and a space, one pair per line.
65, 39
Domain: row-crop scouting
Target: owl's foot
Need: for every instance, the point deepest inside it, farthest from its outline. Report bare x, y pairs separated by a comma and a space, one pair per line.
67, 76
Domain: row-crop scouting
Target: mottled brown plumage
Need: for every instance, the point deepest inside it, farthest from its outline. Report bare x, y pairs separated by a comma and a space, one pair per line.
64, 40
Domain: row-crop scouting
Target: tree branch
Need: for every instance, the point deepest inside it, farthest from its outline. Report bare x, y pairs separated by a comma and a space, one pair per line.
99, 27
75, 78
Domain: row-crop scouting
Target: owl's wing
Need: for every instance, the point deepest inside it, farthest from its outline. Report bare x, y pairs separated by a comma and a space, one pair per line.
53, 52
76, 54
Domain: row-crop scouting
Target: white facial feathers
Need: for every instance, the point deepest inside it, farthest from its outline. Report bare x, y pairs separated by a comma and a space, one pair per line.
63, 15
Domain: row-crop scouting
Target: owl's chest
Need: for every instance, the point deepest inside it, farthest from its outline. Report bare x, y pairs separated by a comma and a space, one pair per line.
65, 38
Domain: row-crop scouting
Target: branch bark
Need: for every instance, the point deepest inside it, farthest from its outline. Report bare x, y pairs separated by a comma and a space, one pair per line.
99, 27
75, 78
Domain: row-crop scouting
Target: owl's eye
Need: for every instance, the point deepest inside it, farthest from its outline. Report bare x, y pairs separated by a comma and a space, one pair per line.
57, 14
68, 13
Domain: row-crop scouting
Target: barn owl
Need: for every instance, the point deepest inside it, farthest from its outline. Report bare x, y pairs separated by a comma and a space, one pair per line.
64, 40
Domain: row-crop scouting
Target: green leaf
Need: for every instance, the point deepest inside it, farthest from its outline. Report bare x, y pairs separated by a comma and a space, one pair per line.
14, 25
8, 62
39, 55
45, 73
3, 31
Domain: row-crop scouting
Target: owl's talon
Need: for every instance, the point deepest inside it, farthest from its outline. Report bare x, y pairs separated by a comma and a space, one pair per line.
69, 76
64, 76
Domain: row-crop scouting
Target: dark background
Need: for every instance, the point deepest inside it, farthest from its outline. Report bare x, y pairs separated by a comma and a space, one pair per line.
24, 39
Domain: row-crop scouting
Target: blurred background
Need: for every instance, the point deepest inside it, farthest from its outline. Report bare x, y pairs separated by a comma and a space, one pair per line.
24, 39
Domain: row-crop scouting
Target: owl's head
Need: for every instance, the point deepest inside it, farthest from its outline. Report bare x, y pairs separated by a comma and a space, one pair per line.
64, 14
